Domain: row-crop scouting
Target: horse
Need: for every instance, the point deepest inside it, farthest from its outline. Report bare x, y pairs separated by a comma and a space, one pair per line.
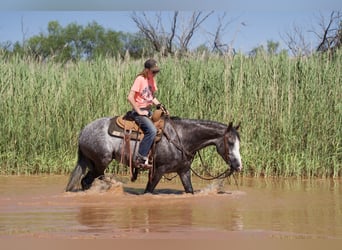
174, 153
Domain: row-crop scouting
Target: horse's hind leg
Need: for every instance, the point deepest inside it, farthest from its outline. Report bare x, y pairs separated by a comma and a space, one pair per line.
78, 172
87, 180
96, 170
92, 174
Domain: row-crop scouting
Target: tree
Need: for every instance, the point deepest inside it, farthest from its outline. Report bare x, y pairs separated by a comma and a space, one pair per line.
202, 49
328, 33
96, 41
75, 42
218, 44
330, 37
136, 45
296, 42
272, 48
176, 39
196, 19
153, 31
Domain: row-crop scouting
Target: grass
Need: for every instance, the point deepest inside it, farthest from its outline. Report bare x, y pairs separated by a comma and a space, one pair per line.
290, 108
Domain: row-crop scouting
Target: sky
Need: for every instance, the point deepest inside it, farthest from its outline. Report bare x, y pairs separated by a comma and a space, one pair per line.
250, 24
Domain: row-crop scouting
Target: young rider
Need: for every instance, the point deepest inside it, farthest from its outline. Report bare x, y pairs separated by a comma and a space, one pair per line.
142, 98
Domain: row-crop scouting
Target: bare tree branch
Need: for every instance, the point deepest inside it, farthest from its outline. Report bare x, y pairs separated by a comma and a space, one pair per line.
23, 31
173, 31
145, 26
324, 40
218, 45
330, 35
195, 22
163, 41
296, 42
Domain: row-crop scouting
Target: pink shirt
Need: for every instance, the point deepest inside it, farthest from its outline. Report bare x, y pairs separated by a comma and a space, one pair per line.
144, 91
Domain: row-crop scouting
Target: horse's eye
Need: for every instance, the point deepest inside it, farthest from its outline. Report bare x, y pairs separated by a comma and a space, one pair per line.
231, 140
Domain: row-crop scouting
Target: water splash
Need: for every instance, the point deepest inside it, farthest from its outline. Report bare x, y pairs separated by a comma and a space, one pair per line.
106, 184
216, 187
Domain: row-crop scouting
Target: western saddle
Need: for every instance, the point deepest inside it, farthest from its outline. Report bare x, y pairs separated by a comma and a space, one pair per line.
125, 127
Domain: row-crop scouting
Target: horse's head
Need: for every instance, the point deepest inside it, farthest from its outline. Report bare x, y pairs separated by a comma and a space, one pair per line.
231, 147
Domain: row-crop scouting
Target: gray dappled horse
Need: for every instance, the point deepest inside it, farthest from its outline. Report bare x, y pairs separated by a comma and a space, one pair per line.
174, 153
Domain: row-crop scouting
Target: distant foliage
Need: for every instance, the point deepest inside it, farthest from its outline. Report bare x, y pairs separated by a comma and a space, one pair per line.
75, 42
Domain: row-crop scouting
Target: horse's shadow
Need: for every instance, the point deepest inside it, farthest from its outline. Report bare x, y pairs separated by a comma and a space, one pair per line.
118, 186
140, 191
120, 182
111, 185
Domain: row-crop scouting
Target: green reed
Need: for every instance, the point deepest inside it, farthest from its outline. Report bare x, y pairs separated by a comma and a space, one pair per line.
290, 109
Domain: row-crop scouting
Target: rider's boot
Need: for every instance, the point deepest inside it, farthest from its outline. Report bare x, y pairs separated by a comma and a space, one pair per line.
142, 163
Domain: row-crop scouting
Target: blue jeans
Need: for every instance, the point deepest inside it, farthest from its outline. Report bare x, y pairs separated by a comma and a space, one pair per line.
149, 130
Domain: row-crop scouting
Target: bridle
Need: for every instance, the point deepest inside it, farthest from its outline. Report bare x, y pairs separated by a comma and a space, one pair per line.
227, 173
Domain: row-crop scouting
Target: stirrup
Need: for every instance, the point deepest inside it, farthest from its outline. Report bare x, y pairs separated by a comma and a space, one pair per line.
142, 163
143, 166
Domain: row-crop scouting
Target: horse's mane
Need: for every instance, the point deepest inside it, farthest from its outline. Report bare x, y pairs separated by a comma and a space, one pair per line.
207, 123
198, 121
175, 118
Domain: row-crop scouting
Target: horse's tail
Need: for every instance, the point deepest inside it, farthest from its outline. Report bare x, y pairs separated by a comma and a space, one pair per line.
77, 173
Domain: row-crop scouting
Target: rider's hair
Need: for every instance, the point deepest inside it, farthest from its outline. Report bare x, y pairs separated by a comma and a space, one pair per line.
143, 73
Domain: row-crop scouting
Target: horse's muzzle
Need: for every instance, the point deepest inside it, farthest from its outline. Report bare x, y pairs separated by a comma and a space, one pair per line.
236, 165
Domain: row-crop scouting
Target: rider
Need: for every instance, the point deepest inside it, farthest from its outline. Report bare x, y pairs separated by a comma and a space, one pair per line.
142, 98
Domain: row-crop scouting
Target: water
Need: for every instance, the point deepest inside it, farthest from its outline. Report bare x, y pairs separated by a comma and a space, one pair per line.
38, 207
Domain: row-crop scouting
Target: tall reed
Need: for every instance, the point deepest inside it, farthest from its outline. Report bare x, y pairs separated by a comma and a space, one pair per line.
290, 109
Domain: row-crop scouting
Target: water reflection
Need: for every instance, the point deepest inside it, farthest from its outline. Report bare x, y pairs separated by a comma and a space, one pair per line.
161, 215
146, 219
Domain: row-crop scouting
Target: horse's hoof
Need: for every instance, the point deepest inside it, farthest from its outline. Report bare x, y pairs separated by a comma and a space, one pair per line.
85, 185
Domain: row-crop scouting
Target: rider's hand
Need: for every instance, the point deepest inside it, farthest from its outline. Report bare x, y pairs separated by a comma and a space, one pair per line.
162, 107
166, 112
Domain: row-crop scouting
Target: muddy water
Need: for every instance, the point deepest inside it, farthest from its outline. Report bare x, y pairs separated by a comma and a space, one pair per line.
37, 207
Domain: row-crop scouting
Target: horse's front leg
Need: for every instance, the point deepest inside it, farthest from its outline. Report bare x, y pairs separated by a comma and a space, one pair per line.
151, 184
185, 177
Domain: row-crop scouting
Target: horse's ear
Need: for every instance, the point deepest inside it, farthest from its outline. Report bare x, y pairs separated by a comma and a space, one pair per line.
230, 125
238, 126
